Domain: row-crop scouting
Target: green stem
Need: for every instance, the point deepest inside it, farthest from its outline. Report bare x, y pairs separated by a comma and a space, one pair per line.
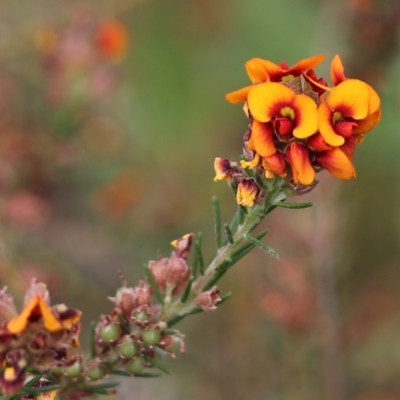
251, 219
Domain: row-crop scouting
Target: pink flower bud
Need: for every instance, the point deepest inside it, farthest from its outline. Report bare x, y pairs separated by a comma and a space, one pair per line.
208, 300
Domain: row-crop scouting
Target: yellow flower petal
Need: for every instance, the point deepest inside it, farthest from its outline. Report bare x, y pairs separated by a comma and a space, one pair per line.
247, 192
351, 98
325, 125
366, 124
267, 99
306, 116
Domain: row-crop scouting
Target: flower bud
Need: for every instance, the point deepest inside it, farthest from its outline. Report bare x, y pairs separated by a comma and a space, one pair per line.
74, 370
128, 348
110, 333
151, 336
135, 366
247, 192
96, 372
208, 300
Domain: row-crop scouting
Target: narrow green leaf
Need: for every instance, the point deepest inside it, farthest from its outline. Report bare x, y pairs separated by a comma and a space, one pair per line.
234, 223
241, 252
228, 233
294, 206
198, 261
217, 221
33, 381
153, 284
123, 324
173, 321
106, 385
224, 298
263, 246
156, 364
169, 331
92, 340
224, 265
186, 292
120, 372
148, 375
242, 212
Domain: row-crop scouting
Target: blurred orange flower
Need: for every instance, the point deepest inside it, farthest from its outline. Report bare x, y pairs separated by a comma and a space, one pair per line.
112, 39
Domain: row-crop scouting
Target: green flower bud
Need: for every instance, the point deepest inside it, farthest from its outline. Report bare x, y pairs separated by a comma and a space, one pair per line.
95, 373
128, 348
112, 357
110, 333
142, 316
135, 366
151, 336
74, 370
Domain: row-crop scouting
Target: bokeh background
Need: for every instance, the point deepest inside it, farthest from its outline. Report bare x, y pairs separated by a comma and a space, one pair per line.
111, 114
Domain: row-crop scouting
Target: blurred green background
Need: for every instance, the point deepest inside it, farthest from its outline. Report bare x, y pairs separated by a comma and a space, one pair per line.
111, 114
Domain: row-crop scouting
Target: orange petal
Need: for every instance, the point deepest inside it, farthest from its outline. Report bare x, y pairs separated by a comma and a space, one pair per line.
337, 163
256, 71
305, 64
306, 116
351, 98
337, 71
374, 101
274, 71
238, 96
299, 160
368, 123
50, 322
325, 125
274, 164
317, 143
38, 308
266, 100
262, 138
350, 145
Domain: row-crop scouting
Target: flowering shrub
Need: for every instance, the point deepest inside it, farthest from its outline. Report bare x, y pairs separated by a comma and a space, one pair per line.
298, 126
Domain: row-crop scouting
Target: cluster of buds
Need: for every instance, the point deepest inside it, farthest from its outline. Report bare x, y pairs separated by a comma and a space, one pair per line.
37, 340
298, 126
135, 333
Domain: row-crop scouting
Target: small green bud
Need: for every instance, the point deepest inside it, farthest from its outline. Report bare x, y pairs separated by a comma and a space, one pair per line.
112, 357
110, 333
74, 370
142, 316
128, 348
135, 366
151, 336
95, 373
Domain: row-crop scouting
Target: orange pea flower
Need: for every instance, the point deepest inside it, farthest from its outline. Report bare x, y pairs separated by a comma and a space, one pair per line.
352, 108
277, 108
260, 71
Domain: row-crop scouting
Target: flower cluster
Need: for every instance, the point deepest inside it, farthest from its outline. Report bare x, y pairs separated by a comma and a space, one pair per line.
298, 125
36, 340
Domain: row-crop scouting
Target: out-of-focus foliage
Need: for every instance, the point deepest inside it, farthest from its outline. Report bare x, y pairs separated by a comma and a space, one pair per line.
111, 114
